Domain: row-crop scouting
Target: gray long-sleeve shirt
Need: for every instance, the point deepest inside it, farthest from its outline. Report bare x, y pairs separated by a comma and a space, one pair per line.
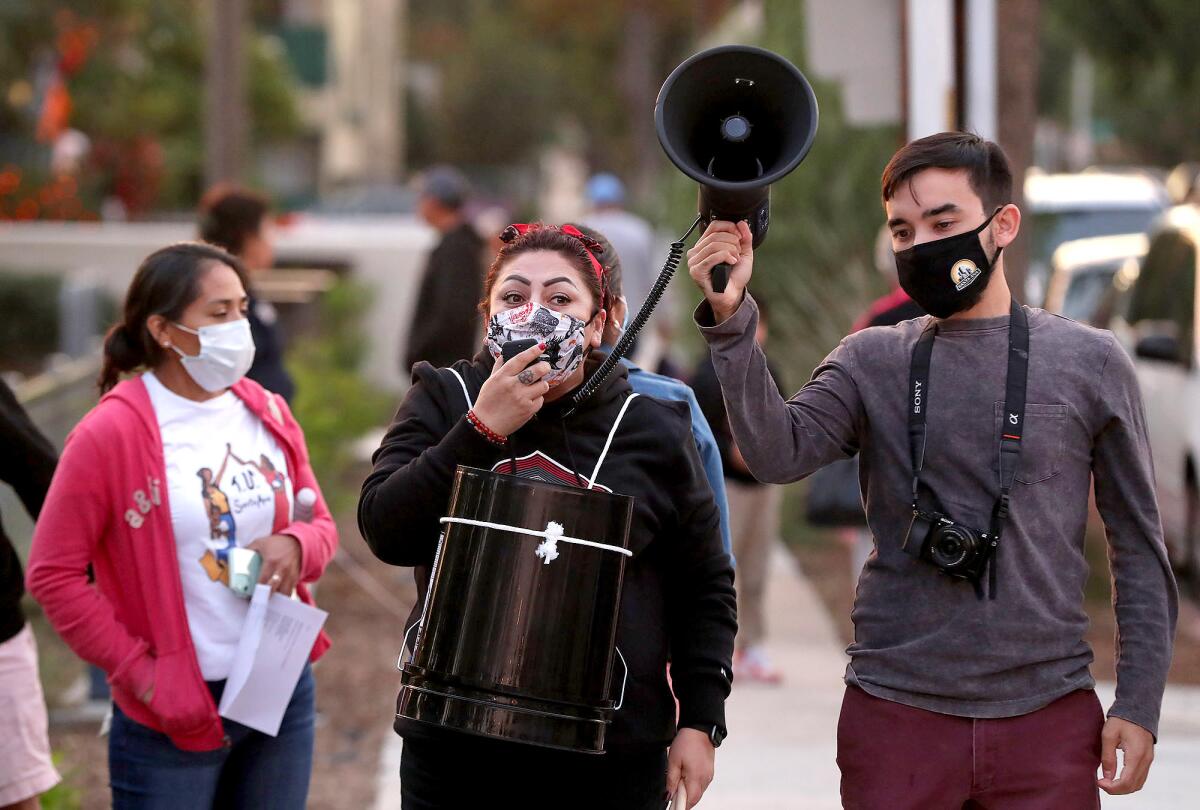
922, 638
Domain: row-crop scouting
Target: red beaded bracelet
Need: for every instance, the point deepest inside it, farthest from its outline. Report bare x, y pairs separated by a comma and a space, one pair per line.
485, 431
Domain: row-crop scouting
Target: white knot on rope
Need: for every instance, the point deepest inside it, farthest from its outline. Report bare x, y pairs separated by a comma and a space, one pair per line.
547, 550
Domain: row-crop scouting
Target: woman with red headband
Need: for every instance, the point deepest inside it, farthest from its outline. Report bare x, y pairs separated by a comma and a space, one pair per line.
678, 599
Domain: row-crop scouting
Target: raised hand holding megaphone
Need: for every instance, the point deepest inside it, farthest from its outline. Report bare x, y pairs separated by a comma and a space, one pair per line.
729, 245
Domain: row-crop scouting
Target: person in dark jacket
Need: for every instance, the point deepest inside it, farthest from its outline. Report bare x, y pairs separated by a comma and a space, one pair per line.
27, 463
445, 324
238, 220
677, 600
755, 514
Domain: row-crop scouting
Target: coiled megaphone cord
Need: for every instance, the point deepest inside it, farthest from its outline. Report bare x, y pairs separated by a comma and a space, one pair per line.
598, 377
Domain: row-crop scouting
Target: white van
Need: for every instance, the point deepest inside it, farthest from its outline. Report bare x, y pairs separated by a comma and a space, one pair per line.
1064, 207
1160, 326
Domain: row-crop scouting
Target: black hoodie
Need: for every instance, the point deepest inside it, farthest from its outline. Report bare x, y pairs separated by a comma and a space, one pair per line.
678, 598
27, 461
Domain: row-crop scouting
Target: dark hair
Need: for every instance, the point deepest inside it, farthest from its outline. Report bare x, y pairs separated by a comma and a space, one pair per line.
985, 162
230, 214
547, 237
608, 259
165, 284
611, 263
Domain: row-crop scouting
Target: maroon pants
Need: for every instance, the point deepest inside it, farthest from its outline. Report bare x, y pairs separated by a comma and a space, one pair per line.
895, 757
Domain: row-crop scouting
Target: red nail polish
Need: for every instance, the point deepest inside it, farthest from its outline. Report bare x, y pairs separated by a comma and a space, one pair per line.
541, 345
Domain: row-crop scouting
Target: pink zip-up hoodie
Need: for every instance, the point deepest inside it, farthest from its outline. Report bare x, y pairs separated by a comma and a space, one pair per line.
107, 506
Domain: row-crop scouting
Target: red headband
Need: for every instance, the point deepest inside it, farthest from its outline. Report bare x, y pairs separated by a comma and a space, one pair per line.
590, 246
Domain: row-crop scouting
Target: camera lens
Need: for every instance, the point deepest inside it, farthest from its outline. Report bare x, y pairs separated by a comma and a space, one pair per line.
951, 547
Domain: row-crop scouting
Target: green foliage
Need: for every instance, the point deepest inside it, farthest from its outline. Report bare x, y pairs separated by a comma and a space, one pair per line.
62, 796
334, 403
1147, 71
28, 320
143, 79
514, 71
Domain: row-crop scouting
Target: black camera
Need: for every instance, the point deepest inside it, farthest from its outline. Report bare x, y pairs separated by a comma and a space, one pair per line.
955, 549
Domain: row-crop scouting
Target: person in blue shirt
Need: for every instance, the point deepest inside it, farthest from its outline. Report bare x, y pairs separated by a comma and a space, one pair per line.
650, 384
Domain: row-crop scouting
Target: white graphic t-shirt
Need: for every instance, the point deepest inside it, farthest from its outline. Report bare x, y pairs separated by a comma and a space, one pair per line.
228, 484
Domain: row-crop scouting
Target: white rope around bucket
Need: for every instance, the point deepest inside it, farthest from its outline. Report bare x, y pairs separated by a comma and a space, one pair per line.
552, 536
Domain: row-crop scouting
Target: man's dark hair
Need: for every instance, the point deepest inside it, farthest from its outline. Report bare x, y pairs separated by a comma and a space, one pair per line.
230, 214
985, 163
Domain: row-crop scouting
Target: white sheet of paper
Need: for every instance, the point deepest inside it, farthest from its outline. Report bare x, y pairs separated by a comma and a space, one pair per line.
276, 641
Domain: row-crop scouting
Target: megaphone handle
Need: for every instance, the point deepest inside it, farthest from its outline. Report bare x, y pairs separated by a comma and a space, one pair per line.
720, 277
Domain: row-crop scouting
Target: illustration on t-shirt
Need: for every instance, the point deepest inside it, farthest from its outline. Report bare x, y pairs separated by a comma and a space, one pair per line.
248, 494
278, 483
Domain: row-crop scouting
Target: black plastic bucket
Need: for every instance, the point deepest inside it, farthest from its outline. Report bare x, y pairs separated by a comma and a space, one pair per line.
511, 646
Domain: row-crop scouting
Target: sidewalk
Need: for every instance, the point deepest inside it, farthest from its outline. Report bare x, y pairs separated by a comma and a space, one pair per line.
781, 747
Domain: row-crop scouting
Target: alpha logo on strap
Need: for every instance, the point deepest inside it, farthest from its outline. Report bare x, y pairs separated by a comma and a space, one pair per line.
538, 466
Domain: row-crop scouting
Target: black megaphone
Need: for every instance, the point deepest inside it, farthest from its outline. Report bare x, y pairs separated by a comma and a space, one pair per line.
735, 119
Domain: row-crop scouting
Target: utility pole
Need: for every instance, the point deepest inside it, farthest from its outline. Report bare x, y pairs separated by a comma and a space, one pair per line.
226, 113
1017, 45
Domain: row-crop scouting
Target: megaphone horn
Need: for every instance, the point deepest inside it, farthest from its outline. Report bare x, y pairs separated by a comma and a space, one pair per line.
735, 119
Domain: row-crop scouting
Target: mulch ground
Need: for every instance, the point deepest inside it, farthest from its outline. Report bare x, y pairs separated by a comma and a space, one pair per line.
356, 689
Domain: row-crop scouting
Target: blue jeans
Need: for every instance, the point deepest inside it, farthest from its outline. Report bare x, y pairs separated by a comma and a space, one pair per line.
254, 770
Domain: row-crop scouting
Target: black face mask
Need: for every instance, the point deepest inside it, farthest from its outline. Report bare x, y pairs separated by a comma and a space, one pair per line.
948, 275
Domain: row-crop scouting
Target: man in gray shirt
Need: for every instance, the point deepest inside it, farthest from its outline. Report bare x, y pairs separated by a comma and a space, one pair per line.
969, 687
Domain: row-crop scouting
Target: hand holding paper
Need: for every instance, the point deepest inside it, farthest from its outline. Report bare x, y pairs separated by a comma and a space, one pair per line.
275, 645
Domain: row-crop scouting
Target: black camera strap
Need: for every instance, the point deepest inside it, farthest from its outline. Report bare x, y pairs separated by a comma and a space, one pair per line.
1013, 417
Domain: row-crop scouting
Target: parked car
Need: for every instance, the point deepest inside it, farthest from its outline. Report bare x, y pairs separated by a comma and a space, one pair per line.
1160, 325
1065, 207
1082, 272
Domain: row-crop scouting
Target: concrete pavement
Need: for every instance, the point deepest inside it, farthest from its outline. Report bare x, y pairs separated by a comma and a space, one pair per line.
780, 751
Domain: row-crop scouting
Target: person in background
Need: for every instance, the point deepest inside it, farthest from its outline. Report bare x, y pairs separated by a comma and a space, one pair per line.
633, 240
238, 220
896, 306
754, 519
27, 464
136, 499
659, 385
446, 325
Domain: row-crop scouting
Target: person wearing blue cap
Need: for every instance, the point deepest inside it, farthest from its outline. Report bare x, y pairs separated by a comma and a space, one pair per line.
633, 239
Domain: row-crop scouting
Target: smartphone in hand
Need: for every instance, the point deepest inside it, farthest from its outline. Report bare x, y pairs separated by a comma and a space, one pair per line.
514, 347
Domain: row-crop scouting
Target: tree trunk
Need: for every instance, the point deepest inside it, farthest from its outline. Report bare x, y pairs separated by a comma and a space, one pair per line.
638, 89
1017, 47
225, 119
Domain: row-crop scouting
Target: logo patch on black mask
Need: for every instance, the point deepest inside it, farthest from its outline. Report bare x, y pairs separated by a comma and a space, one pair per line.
963, 274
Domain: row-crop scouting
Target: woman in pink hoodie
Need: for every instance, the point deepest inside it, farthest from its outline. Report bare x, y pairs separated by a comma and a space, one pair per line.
152, 493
